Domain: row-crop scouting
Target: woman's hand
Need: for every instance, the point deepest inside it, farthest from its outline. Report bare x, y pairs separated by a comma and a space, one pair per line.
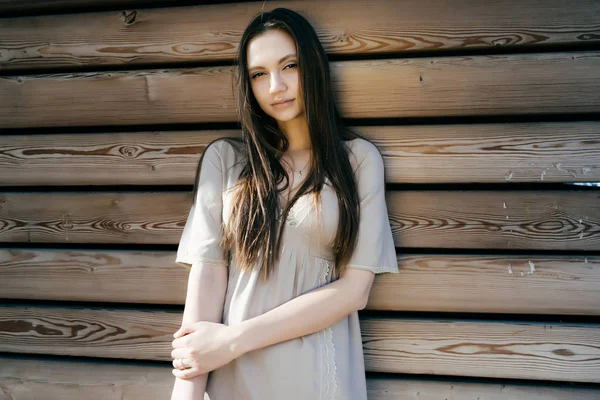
205, 346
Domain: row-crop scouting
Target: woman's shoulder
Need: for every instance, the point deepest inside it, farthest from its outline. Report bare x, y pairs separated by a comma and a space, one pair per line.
228, 151
224, 146
362, 149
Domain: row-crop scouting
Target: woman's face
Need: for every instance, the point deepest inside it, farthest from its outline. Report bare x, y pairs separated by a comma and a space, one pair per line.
274, 75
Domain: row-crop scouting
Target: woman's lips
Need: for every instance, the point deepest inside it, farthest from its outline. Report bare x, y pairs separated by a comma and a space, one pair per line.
284, 104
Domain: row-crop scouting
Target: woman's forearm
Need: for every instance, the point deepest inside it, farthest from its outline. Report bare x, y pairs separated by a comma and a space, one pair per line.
204, 301
305, 314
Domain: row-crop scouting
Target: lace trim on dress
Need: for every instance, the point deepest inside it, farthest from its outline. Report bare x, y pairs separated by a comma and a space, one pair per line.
299, 210
326, 346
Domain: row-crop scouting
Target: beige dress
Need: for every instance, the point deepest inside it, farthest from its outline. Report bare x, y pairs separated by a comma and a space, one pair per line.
325, 365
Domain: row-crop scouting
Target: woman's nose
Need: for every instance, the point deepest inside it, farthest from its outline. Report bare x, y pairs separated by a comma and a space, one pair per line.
277, 84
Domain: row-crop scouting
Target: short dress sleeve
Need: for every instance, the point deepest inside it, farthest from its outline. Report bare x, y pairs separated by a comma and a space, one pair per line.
201, 237
375, 250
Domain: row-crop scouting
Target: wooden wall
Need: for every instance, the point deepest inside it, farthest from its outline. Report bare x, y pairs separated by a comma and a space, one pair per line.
483, 112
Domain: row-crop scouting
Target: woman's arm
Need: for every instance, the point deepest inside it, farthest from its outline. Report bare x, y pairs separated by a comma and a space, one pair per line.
214, 345
206, 289
305, 314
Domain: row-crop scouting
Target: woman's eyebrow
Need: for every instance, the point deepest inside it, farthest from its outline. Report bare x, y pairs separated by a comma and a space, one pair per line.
282, 59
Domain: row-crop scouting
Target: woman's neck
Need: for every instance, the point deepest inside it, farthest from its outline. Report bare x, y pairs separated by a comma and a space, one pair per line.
296, 132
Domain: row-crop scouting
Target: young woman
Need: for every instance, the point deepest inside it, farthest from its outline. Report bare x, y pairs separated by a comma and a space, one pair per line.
288, 228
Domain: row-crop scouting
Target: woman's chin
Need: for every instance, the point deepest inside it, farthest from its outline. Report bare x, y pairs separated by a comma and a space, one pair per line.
286, 116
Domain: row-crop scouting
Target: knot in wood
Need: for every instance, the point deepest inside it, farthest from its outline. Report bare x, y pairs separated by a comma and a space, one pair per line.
129, 18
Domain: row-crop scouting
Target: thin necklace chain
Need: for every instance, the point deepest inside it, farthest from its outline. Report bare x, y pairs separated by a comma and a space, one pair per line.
299, 171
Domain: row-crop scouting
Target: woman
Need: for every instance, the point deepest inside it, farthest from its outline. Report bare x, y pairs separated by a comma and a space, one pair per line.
288, 228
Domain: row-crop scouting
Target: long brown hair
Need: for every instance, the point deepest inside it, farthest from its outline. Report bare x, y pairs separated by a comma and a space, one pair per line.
253, 230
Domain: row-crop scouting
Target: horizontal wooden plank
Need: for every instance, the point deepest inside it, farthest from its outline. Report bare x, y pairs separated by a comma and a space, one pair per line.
545, 83
473, 153
209, 33
36, 7
28, 379
440, 283
76, 331
569, 352
101, 217
491, 284
148, 158
566, 352
533, 220
410, 389
25, 379
92, 275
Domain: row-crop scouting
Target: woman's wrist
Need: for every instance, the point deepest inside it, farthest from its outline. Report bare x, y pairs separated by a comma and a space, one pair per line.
239, 342
192, 388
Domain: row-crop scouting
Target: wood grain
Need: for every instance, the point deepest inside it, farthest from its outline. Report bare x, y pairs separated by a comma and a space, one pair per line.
462, 153
520, 350
146, 158
29, 379
395, 388
25, 379
174, 67
567, 352
77, 331
84, 275
533, 220
35, 7
102, 217
490, 284
439, 283
544, 83
345, 27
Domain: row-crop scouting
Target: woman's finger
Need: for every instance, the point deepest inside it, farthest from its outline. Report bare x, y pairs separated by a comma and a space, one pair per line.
184, 330
179, 342
180, 353
187, 373
178, 333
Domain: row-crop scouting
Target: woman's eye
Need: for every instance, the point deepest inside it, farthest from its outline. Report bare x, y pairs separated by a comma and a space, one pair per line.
259, 74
